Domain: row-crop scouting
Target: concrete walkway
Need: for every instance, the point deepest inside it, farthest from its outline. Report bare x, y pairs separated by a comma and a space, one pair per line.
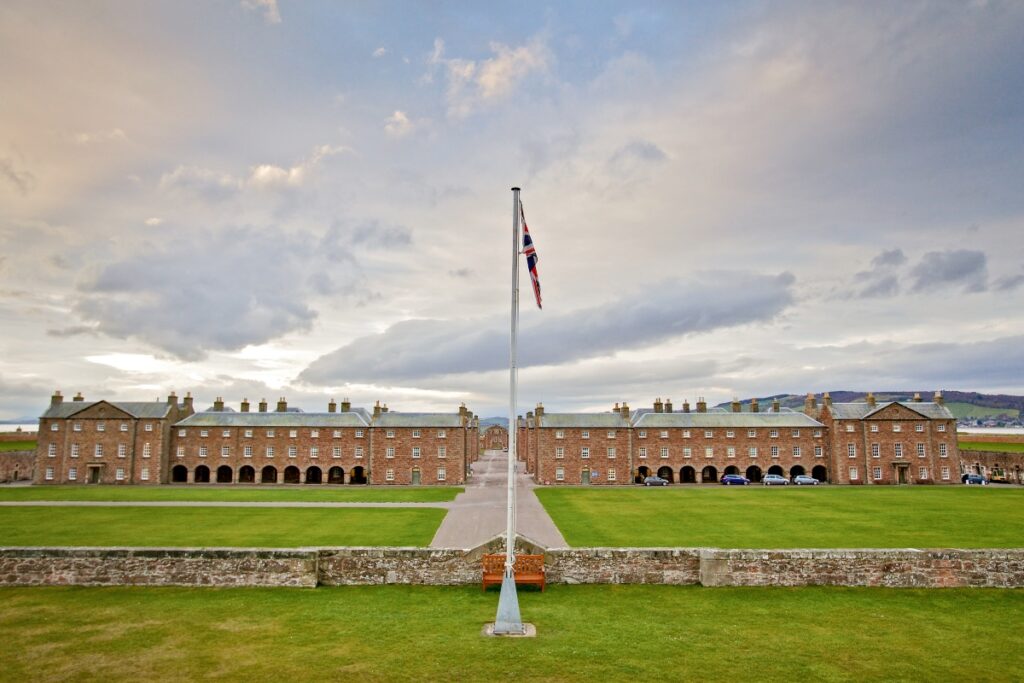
478, 514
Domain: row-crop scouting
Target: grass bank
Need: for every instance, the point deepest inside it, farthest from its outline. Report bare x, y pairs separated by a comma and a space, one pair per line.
997, 446
585, 633
789, 517
6, 446
236, 493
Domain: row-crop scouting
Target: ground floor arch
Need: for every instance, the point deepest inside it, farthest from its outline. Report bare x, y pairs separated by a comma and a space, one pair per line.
291, 474
179, 474
268, 475
642, 473
358, 475
246, 475
314, 475
754, 473
732, 469
202, 475
687, 475
224, 474
820, 472
666, 473
709, 474
797, 470
777, 469
336, 475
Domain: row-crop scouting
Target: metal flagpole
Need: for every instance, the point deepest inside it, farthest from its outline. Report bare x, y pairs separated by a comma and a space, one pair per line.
508, 621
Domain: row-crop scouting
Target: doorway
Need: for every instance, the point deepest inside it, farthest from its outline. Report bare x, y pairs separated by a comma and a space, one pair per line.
415, 477
585, 477
94, 475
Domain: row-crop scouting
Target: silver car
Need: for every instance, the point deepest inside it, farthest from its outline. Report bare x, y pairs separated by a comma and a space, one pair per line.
775, 480
805, 480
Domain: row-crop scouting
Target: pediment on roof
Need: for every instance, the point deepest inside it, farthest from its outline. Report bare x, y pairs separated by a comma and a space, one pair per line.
103, 410
895, 411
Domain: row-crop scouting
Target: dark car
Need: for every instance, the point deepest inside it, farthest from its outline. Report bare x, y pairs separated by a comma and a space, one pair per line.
655, 481
775, 480
734, 480
975, 479
804, 480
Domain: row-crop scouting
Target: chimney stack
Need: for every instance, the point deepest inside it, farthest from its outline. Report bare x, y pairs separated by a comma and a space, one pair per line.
384, 408
754, 407
616, 408
540, 410
282, 405
917, 398
376, 409
657, 405
263, 405
686, 405
218, 404
702, 406
624, 410
172, 400
187, 402
826, 399
56, 399
78, 397
332, 407
736, 407
245, 405
870, 398
939, 398
462, 410
776, 406
346, 405
810, 404
668, 405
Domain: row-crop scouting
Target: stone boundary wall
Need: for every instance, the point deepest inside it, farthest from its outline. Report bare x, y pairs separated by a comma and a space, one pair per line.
17, 466
309, 567
7, 437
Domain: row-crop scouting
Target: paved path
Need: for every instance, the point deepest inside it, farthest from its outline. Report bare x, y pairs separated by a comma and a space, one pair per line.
216, 504
478, 514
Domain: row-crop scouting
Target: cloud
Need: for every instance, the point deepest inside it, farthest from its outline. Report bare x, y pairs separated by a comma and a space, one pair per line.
380, 52
667, 310
1008, 283
882, 279
100, 136
153, 221
211, 185
22, 181
398, 124
892, 257
638, 150
960, 268
461, 272
72, 331
472, 85
374, 235
271, 14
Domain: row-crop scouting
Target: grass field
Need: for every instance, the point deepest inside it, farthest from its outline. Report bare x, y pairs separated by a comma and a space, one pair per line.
234, 493
6, 446
205, 527
585, 633
997, 446
970, 410
790, 517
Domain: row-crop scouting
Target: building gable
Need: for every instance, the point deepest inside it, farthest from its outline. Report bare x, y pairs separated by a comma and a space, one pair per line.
102, 410
895, 411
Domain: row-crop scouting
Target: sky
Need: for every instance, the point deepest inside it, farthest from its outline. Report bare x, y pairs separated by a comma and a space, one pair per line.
273, 198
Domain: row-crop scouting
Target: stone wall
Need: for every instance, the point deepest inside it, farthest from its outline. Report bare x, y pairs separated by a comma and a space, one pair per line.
17, 465
307, 567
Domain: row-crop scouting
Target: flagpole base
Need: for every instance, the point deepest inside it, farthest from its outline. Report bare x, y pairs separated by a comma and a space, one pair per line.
529, 631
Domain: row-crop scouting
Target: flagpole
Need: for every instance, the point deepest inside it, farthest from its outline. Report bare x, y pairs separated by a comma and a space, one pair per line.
508, 620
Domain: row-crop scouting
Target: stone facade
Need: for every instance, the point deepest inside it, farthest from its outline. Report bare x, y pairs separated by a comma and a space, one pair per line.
17, 466
998, 466
494, 438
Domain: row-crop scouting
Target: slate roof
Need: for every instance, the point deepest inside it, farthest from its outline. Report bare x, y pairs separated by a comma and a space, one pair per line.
783, 418
860, 410
355, 418
138, 409
389, 419
585, 420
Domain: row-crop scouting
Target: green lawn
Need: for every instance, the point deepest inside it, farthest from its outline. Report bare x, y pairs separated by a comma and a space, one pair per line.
790, 517
202, 493
585, 633
999, 447
960, 409
198, 526
17, 446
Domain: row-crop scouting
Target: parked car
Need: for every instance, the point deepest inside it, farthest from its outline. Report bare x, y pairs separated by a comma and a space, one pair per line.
975, 479
734, 480
655, 481
805, 480
775, 480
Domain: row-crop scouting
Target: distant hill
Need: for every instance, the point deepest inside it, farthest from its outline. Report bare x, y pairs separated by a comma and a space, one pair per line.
486, 422
963, 404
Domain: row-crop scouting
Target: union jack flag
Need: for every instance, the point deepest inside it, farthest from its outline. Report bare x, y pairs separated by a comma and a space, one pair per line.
531, 256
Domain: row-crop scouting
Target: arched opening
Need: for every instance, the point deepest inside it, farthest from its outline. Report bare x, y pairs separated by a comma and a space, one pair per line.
268, 475
358, 475
179, 474
709, 474
796, 471
820, 473
291, 474
642, 473
666, 473
687, 475
246, 475
777, 469
336, 475
732, 469
223, 474
202, 475
753, 473
314, 475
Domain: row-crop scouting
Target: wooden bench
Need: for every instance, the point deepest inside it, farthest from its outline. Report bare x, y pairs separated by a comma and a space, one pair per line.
528, 569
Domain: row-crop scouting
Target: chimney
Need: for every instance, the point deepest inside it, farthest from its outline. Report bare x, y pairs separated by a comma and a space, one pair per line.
172, 400
187, 401
332, 407
384, 408
218, 404
78, 397
917, 397
346, 405
624, 410
702, 406
754, 408
57, 399
540, 410
245, 405
616, 408
529, 418
826, 399
263, 405
462, 410
282, 405
939, 398
668, 405
776, 406
736, 407
810, 405
686, 405
657, 405
376, 409
870, 398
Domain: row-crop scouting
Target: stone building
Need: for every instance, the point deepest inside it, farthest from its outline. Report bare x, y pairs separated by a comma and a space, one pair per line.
494, 438
581, 448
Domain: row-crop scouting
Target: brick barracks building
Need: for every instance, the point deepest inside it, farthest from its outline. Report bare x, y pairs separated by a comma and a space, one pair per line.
168, 442
912, 442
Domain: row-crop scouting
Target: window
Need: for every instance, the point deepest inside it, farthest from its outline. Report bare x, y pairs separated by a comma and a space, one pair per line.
942, 450
98, 451
920, 450
149, 427
818, 452
922, 472
817, 433
270, 432
642, 453
51, 450
440, 434
898, 450
124, 426
78, 427
897, 428
559, 434
752, 451
73, 473
337, 433
293, 433
851, 450
708, 434
729, 434
874, 429
359, 433
49, 474
559, 474
74, 450
849, 428
643, 434
919, 428
441, 474
664, 451
773, 433
709, 452
359, 451
687, 452
101, 426
54, 427
248, 433
119, 474
202, 451
775, 451
796, 451
559, 452
940, 427
945, 474
181, 452
876, 450
147, 450
796, 432
415, 433
585, 434
314, 451
686, 433
247, 451
389, 474
144, 474
876, 472
611, 452
390, 453
415, 451
442, 451
225, 451
122, 450
226, 433
336, 452
314, 433
270, 451
611, 475
611, 433
730, 452
585, 453
751, 433
853, 474
204, 433
664, 434
293, 452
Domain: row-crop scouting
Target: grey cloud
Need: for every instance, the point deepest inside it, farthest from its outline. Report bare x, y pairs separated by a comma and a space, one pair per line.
374, 235
461, 272
22, 181
541, 152
964, 268
882, 279
892, 257
667, 310
71, 331
1008, 283
887, 285
640, 150
210, 185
